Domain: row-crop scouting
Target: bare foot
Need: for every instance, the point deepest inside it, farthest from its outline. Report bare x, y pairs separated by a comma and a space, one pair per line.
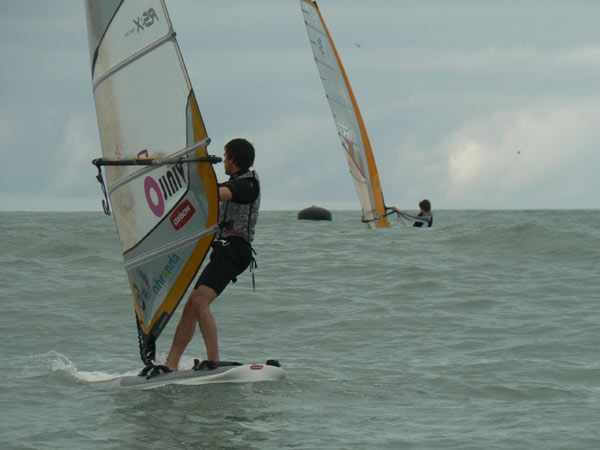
171, 366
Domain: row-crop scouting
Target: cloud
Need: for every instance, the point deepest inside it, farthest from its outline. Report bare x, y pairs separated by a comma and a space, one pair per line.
534, 157
8, 139
298, 172
74, 155
62, 180
473, 62
541, 156
449, 96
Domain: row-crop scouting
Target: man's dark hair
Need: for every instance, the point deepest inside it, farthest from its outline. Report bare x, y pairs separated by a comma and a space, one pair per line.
425, 205
241, 152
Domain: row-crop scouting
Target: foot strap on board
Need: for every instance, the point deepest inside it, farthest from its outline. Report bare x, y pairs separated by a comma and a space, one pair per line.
152, 370
273, 362
208, 364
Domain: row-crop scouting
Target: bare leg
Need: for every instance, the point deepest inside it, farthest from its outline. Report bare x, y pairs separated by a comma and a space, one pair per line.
196, 310
208, 325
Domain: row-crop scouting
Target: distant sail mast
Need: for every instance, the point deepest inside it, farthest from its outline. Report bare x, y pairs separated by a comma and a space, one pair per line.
162, 187
347, 117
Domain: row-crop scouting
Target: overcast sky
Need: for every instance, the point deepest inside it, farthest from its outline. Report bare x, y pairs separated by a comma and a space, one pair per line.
472, 104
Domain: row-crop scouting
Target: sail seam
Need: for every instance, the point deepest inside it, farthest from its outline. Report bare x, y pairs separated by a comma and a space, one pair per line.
308, 25
354, 169
132, 58
357, 144
176, 245
330, 67
341, 104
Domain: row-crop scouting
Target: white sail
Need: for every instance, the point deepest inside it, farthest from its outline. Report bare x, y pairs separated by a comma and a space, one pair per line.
347, 117
165, 214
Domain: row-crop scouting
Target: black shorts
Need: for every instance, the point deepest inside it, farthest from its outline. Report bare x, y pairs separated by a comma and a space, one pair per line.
226, 263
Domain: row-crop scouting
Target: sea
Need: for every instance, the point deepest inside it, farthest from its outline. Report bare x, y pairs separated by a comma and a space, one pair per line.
482, 332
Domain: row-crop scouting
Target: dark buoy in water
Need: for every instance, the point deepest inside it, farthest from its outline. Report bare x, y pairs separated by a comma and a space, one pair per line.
314, 213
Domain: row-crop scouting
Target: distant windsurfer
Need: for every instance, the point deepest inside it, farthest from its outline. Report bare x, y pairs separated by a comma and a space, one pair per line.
231, 251
424, 219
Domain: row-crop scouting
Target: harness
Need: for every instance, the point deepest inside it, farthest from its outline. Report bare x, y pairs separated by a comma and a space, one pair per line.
239, 219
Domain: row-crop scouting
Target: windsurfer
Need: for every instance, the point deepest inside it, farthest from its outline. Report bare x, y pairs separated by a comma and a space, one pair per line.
423, 219
231, 253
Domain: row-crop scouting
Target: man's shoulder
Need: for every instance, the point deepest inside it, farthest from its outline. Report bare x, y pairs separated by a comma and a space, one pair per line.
245, 189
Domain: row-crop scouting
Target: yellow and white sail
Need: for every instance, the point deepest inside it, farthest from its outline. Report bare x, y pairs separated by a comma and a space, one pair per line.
347, 117
165, 214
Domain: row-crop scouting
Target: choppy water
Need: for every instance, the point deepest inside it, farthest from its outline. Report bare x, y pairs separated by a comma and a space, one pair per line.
480, 333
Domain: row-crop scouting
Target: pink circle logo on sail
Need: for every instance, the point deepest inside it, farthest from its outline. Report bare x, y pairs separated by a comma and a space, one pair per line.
151, 187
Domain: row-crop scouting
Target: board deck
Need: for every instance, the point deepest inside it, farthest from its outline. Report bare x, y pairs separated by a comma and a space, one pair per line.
244, 373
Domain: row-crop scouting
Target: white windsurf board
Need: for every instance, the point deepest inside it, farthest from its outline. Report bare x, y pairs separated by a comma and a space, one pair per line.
243, 373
